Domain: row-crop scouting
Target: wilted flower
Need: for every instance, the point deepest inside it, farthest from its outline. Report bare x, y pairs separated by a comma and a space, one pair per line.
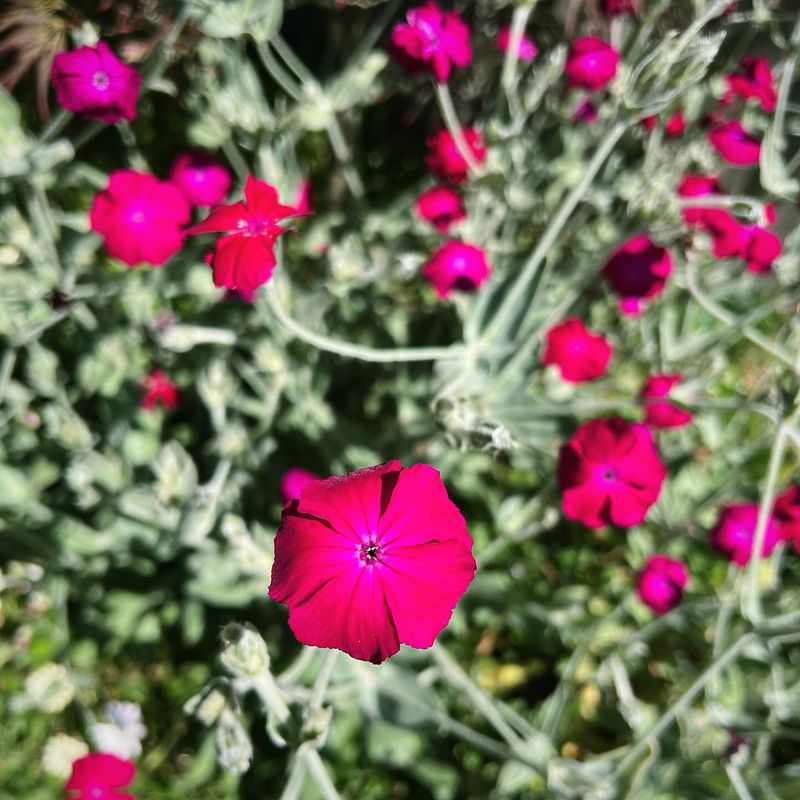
93, 82
526, 50
662, 582
371, 560
592, 63
735, 531
697, 186
140, 218
754, 79
637, 271
201, 178
97, 776
158, 390
456, 266
293, 480
734, 143
441, 206
445, 159
658, 411
579, 354
787, 515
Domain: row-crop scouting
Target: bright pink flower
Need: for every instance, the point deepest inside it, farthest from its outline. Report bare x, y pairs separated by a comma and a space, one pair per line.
431, 39
302, 200
202, 179
445, 159
787, 515
658, 411
140, 217
609, 473
293, 480
757, 246
735, 531
592, 63
661, 583
93, 82
97, 776
617, 8
526, 51
754, 79
637, 271
579, 354
585, 112
371, 560
441, 206
243, 259
456, 266
676, 124
734, 143
159, 390
697, 186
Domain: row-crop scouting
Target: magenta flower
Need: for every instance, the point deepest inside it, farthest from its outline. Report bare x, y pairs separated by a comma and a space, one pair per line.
658, 411
675, 125
697, 186
755, 245
579, 354
371, 560
456, 266
526, 51
753, 80
441, 206
787, 515
592, 63
585, 112
302, 200
662, 582
618, 8
201, 178
140, 218
98, 776
734, 143
244, 258
735, 531
433, 40
93, 82
293, 480
637, 271
609, 473
648, 123
158, 390
445, 159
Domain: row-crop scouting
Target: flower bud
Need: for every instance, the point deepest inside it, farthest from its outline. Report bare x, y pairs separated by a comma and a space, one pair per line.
245, 654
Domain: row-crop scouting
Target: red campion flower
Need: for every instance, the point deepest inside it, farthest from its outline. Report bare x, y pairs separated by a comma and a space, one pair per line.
97, 776
441, 206
753, 80
735, 531
293, 481
676, 124
755, 245
445, 159
734, 143
592, 63
203, 180
658, 411
697, 186
456, 266
579, 354
662, 582
158, 390
637, 271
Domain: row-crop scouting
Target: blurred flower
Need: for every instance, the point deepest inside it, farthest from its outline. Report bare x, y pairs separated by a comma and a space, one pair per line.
431, 39
592, 63
441, 206
158, 390
585, 112
60, 751
734, 143
93, 82
637, 271
735, 531
123, 734
140, 218
526, 50
676, 124
302, 200
456, 266
787, 515
293, 480
661, 583
445, 159
48, 689
697, 186
754, 79
609, 473
97, 776
203, 180
372, 559
648, 123
244, 258
618, 8
757, 246
579, 354
658, 412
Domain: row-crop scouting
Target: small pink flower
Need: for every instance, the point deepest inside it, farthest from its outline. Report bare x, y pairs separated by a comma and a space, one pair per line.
658, 411
201, 178
735, 531
140, 217
609, 473
433, 40
159, 390
93, 82
697, 186
293, 480
579, 354
787, 515
592, 63
637, 271
373, 559
618, 8
302, 200
441, 206
676, 124
585, 112
98, 776
456, 266
753, 80
734, 143
444, 158
526, 51
662, 582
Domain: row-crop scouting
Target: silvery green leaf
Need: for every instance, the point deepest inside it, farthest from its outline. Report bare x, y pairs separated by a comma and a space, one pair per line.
359, 84
578, 780
14, 145
182, 338
175, 472
234, 749
46, 157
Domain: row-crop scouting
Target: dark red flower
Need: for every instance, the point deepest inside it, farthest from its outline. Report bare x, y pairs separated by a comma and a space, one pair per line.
159, 390
579, 354
202, 179
637, 271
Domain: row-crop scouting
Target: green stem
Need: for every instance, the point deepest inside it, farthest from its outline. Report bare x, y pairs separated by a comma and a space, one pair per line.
279, 74
55, 126
296, 774
319, 773
322, 680
452, 124
508, 77
235, 158
345, 157
737, 782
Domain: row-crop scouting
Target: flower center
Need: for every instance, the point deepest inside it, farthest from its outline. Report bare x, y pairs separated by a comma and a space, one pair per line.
100, 80
137, 216
255, 227
609, 474
370, 551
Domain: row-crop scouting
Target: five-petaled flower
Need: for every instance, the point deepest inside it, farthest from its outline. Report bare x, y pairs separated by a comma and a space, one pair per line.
456, 266
662, 582
592, 63
637, 271
441, 206
753, 80
98, 776
734, 533
579, 354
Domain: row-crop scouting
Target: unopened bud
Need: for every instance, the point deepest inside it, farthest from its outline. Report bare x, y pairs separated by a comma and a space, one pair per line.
245, 654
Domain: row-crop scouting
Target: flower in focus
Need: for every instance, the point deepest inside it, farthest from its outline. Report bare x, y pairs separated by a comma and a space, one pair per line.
787, 515
97, 776
592, 63
734, 143
456, 266
526, 51
735, 531
201, 178
158, 390
445, 159
609, 473
585, 112
676, 124
441, 206
579, 354
244, 258
637, 271
662, 582
755, 245
431, 39
373, 559
753, 80
93, 82
658, 411
140, 217
697, 186
293, 480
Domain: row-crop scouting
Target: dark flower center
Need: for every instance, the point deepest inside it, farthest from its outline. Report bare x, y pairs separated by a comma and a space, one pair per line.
370, 551
609, 474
